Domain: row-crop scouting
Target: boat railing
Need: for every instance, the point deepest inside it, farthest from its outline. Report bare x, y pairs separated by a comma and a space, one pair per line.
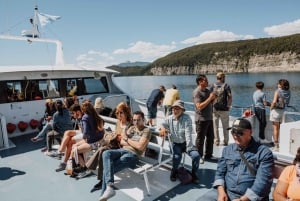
235, 110
3, 133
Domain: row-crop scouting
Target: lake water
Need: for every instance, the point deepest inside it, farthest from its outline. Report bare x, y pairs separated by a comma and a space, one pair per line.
242, 86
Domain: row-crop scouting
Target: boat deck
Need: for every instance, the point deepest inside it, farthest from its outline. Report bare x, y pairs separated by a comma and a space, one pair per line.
28, 174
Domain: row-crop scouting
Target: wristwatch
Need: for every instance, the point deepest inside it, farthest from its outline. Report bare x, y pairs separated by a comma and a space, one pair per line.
126, 139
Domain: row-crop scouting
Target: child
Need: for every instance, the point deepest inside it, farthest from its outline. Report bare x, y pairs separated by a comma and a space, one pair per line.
259, 100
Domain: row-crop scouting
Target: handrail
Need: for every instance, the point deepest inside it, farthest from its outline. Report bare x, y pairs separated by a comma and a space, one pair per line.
3, 130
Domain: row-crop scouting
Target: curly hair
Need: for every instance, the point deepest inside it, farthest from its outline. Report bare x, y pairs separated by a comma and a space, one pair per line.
297, 157
123, 107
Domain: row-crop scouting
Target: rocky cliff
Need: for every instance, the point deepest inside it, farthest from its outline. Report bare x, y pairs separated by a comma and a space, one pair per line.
284, 62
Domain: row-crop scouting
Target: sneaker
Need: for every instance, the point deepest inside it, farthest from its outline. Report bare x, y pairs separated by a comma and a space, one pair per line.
211, 158
173, 175
79, 169
201, 161
61, 167
36, 139
55, 154
108, 193
45, 149
98, 186
83, 174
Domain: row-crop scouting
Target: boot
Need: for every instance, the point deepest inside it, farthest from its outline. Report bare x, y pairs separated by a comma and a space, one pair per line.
173, 175
195, 178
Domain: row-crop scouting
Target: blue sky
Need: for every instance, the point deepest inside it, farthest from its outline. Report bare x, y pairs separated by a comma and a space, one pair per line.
106, 32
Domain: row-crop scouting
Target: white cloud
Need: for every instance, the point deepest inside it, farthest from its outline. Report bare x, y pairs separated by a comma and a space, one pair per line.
146, 50
215, 36
138, 51
284, 29
97, 58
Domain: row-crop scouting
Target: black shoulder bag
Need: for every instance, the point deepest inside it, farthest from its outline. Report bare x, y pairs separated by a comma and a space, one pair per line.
251, 169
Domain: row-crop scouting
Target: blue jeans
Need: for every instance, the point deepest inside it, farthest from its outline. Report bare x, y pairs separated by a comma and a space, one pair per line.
115, 160
212, 195
46, 128
179, 149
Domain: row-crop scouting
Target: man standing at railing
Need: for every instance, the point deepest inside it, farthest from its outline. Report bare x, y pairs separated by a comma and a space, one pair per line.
156, 97
203, 99
221, 106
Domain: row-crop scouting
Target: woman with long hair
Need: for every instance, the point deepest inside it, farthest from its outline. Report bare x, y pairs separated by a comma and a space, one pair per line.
280, 101
93, 130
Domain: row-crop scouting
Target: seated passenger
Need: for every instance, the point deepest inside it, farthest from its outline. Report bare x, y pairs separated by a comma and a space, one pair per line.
245, 168
124, 121
70, 137
46, 122
288, 184
61, 122
93, 131
179, 126
100, 108
134, 143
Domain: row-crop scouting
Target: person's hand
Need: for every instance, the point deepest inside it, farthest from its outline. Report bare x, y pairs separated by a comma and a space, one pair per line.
212, 96
163, 132
119, 137
223, 197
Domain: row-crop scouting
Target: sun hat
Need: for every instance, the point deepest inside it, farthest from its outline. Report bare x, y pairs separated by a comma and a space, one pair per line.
179, 103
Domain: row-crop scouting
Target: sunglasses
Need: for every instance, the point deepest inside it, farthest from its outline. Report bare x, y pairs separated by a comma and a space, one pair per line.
117, 113
237, 132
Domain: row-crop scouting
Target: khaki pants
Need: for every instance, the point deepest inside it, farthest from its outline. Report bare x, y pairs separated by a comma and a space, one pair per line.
224, 116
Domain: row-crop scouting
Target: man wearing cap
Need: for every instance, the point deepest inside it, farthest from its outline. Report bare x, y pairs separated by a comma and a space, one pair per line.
171, 96
221, 108
244, 170
155, 98
179, 126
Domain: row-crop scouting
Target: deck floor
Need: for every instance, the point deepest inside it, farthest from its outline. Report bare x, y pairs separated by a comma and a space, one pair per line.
28, 174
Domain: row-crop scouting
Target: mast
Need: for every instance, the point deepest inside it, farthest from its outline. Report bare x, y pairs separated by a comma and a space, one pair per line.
33, 36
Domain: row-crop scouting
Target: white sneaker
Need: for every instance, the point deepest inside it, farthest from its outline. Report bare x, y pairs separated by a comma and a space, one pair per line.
201, 161
108, 193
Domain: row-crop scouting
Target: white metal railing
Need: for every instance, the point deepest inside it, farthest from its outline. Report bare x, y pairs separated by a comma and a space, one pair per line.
3, 133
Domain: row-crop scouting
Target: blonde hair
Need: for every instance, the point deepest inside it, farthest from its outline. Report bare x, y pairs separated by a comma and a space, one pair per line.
99, 103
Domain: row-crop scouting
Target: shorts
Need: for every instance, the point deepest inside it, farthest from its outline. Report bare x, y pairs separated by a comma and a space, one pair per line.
78, 136
276, 115
152, 111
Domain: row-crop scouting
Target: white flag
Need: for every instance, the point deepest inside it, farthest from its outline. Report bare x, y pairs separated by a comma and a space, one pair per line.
45, 18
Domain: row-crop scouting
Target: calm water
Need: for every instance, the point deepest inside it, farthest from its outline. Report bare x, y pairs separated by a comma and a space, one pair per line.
242, 86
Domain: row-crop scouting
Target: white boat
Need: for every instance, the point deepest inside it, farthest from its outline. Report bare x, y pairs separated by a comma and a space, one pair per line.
23, 90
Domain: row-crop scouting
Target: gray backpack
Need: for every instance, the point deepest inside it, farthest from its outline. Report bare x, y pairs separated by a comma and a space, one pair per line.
220, 103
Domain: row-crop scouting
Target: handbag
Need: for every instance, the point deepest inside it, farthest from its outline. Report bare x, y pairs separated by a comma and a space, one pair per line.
110, 139
184, 175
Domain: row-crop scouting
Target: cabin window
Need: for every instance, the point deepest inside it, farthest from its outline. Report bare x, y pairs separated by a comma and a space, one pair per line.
53, 90
72, 87
93, 86
14, 91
